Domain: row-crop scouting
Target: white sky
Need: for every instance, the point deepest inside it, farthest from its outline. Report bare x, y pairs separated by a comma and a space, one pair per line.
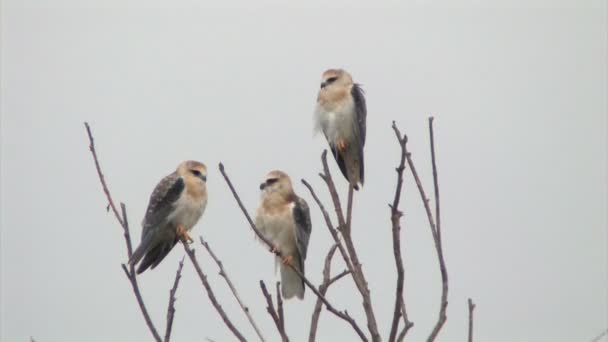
518, 90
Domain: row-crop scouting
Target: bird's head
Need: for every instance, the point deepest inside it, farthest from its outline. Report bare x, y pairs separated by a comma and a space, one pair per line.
335, 87
277, 182
193, 170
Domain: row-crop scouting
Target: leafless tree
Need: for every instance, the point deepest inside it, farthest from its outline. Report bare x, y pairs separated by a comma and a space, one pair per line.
340, 233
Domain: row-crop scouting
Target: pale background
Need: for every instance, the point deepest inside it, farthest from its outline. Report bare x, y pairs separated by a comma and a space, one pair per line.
518, 89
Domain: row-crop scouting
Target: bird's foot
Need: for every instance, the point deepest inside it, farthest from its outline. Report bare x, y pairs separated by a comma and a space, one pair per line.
288, 260
182, 234
341, 145
274, 249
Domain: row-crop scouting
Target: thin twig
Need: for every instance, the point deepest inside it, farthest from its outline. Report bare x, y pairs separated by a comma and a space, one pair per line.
327, 281
224, 274
438, 244
343, 315
471, 309
357, 274
332, 230
122, 220
210, 294
272, 312
399, 308
407, 324
171, 308
599, 337
280, 310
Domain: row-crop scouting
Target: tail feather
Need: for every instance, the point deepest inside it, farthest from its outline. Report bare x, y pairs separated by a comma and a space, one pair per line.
156, 255
291, 283
141, 250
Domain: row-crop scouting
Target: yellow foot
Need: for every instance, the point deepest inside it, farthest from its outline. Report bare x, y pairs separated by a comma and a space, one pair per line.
182, 234
341, 145
287, 260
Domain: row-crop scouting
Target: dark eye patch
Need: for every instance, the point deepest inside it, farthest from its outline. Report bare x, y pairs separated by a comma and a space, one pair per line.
331, 80
197, 173
271, 181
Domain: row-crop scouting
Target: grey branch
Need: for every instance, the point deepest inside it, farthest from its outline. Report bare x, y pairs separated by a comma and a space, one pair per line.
171, 308
276, 318
345, 229
280, 310
435, 229
210, 293
343, 315
471, 309
327, 281
399, 308
122, 220
224, 274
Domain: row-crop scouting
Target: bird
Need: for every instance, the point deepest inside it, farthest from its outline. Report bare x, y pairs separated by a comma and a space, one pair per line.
341, 114
284, 219
176, 204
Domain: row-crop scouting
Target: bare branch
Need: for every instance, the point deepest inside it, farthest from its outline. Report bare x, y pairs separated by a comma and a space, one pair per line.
327, 281
100, 174
471, 309
332, 230
343, 315
399, 309
434, 231
357, 273
407, 324
210, 294
171, 308
273, 313
224, 274
280, 310
599, 337
438, 244
122, 220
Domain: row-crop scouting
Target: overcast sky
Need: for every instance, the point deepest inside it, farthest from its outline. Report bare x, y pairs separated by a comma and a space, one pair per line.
518, 90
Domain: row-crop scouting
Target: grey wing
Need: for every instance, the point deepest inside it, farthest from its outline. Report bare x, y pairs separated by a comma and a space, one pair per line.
161, 204
361, 125
301, 215
360, 112
162, 201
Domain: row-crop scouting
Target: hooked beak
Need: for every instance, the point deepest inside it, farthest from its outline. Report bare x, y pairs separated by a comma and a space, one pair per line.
203, 177
262, 186
323, 85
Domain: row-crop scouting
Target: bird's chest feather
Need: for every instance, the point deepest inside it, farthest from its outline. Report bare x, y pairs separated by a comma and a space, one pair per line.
188, 211
277, 225
337, 122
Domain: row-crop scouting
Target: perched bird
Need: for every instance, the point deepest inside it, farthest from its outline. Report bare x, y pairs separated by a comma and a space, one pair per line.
284, 219
340, 114
175, 206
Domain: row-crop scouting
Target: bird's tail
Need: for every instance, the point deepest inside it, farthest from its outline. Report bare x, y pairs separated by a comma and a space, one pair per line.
141, 250
291, 284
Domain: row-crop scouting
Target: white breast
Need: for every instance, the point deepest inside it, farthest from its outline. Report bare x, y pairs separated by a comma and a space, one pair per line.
279, 228
337, 123
187, 211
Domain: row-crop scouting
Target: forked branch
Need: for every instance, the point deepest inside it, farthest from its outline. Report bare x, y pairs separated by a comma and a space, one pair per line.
124, 223
399, 307
327, 281
345, 229
224, 274
276, 316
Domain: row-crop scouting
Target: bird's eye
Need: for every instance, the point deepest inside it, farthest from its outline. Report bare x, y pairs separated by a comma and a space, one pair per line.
271, 181
331, 80
197, 173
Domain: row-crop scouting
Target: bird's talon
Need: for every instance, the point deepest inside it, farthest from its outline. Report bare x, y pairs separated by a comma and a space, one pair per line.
341, 145
287, 260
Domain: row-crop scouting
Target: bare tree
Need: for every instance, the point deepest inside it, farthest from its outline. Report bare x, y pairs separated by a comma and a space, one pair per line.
344, 244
